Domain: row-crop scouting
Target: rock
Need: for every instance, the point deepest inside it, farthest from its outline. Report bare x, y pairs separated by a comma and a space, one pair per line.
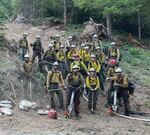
92, 132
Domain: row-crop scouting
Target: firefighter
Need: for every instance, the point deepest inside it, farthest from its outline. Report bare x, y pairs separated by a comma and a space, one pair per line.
121, 86
61, 58
37, 50
82, 50
100, 56
93, 86
69, 41
94, 63
49, 57
57, 43
86, 55
26, 70
96, 42
113, 52
71, 53
23, 46
79, 63
74, 82
110, 73
54, 84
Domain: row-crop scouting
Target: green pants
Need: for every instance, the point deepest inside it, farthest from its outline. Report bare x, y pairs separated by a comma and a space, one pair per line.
59, 95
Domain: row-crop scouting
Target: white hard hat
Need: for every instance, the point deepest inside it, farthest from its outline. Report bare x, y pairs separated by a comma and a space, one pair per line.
73, 46
98, 48
118, 70
25, 34
57, 35
61, 46
86, 47
38, 36
92, 56
27, 56
75, 67
112, 43
55, 64
50, 45
82, 45
95, 36
70, 37
92, 70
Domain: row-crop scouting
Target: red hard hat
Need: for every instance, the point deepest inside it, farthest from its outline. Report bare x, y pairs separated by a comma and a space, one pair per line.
112, 62
52, 114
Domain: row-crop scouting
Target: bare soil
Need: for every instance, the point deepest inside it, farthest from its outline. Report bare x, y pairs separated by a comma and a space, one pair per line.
30, 123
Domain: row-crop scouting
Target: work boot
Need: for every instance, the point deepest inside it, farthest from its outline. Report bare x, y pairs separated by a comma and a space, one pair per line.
77, 116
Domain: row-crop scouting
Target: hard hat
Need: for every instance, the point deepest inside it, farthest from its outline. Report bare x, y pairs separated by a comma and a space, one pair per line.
73, 46
86, 47
25, 34
118, 70
38, 36
27, 56
50, 45
75, 67
92, 70
70, 37
98, 48
112, 62
61, 46
92, 56
82, 45
55, 64
57, 35
112, 43
95, 36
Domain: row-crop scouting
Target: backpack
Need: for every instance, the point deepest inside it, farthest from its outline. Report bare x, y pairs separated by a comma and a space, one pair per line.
54, 73
71, 77
131, 87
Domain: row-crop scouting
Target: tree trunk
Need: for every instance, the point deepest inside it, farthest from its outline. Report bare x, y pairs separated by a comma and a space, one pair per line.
65, 13
139, 25
109, 26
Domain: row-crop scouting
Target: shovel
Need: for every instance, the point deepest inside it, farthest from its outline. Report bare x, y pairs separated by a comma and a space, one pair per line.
114, 106
70, 107
92, 109
30, 85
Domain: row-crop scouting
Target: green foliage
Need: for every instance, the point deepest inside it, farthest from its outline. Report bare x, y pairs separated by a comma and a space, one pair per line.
5, 8
136, 63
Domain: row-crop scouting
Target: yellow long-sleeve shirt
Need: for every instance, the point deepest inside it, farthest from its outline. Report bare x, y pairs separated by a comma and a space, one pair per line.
111, 72
55, 77
121, 81
23, 43
114, 52
86, 57
94, 64
26, 68
80, 64
100, 57
92, 81
61, 56
70, 54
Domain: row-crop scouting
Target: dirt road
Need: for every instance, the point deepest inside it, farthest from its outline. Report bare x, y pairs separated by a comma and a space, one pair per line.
30, 123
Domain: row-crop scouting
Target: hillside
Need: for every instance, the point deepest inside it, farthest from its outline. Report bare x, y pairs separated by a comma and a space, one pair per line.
135, 63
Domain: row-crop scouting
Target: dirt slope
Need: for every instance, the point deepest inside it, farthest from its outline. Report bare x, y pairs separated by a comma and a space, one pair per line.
30, 123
